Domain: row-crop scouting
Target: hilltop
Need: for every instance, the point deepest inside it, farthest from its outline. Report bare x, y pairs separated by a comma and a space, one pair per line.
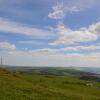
33, 86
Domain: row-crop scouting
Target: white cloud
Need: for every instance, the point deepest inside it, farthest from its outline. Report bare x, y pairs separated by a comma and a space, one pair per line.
58, 59
61, 9
69, 36
7, 46
60, 51
64, 51
18, 28
58, 12
82, 48
95, 28
65, 35
45, 51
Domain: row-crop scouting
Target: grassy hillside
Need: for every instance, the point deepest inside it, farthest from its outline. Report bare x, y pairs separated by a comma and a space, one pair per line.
25, 86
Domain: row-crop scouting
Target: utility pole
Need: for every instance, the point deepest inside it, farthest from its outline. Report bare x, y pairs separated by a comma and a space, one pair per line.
1, 61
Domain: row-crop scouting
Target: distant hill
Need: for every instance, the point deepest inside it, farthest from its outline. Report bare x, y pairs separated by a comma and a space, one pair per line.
58, 71
89, 69
50, 70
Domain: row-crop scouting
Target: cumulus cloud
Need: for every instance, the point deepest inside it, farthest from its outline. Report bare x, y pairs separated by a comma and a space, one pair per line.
7, 46
65, 35
95, 28
69, 36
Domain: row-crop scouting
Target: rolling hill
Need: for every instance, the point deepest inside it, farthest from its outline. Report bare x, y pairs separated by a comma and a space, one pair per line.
18, 85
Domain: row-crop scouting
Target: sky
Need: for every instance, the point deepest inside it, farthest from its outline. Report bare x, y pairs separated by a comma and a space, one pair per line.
50, 32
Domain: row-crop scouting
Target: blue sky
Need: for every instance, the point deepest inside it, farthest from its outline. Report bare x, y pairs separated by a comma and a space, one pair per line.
50, 32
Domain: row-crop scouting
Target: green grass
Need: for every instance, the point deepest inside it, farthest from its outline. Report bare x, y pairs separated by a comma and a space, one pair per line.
25, 86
